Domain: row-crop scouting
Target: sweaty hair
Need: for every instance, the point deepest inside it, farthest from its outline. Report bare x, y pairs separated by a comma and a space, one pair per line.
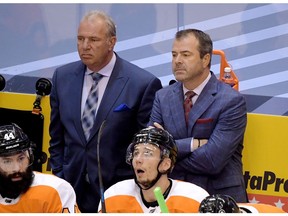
111, 27
205, 42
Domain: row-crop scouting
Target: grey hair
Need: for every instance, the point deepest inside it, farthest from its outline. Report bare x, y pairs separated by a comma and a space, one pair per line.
111, 27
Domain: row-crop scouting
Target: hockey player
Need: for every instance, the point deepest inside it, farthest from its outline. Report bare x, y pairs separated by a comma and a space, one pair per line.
152, 155
23, 190
219, 203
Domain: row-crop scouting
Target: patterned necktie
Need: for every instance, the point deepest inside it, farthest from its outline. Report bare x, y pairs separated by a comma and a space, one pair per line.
188, 104
89, 112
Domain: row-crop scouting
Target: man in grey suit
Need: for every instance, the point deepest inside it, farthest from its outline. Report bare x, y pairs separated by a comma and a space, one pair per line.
210, 144
125, 96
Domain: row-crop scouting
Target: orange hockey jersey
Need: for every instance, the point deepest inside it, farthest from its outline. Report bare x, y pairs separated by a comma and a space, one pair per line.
47, 194
124, 197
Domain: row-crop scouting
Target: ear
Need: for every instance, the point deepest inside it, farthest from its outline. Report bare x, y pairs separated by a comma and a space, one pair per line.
206, 60
111, 42
165, 165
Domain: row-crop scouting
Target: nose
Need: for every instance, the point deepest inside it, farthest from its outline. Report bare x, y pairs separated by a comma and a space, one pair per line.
178, 59
15, 167
86, 43
138, 158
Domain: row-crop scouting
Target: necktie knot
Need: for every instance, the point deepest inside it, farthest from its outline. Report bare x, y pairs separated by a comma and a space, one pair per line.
96, 76
188, 104
190, 94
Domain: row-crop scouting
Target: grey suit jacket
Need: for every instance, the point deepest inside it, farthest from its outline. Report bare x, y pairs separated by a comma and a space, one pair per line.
125, 106
219, 115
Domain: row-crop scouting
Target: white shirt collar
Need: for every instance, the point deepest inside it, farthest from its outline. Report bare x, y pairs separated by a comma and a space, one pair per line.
107, 70
199, 88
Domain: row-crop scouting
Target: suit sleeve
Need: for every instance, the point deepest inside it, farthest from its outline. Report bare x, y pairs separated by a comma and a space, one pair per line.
225, 140
156, 115
184, 145
56, 129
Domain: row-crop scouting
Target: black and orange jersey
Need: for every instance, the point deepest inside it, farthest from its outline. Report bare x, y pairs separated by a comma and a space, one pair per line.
125, 197
47, 194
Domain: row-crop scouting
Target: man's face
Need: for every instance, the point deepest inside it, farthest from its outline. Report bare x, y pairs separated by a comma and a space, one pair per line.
186, 62
15, 174
95, 47
146, 158
14, 165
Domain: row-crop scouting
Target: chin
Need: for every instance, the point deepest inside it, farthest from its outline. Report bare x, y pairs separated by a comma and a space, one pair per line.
144, 184
179, 76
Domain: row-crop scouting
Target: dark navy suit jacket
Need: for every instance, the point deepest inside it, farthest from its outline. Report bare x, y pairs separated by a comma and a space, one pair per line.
219, 115
125, 107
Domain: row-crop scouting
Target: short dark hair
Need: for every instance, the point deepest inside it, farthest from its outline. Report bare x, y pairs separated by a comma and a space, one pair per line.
205, 42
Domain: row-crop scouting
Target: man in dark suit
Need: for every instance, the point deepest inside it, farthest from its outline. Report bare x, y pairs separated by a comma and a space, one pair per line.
210, 143
125, 97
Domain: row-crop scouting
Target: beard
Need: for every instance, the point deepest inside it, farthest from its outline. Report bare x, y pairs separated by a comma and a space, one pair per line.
144, 183
12, 189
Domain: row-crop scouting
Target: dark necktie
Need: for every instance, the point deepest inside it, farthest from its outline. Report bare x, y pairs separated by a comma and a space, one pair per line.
89, 112
188, 104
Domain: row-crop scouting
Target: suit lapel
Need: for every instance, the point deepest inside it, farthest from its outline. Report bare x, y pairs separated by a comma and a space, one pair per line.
76, 97
205, 99
113, 90
176, 106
